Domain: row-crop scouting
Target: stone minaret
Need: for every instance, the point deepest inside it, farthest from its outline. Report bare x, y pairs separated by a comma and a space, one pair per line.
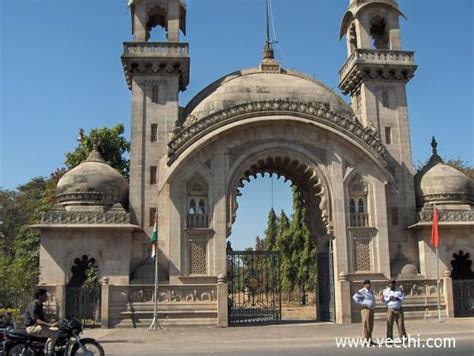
375, 75
155, 73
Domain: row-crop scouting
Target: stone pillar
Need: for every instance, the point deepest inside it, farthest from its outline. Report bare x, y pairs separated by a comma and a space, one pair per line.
448, 294
104, 303
173, 21
222, 303
340, 243
345, 293
60, 296
140, 19
382, 250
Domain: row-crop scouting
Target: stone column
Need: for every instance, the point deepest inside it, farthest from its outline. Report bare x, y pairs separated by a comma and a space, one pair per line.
104, 303
345, 293
222, 303
173, 21
382, 250
448, 294
60, 296
340, 248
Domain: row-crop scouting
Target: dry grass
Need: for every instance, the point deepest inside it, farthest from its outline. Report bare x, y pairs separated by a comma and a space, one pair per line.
298, 312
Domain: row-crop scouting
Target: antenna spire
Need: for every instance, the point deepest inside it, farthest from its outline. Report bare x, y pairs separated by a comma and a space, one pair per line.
268, 49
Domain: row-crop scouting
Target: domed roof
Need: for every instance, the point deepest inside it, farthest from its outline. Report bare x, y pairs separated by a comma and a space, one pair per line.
438, 182
252, 85
93, 182
443, 182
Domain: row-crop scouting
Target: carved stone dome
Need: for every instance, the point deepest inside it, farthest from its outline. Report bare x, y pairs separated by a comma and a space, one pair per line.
444, 183
253, 85
92, 183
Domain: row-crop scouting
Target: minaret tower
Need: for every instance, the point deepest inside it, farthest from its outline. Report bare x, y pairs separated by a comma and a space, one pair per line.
375, 75
155, 73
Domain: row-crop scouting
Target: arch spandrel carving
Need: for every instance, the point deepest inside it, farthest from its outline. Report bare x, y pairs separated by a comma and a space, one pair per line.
350, 128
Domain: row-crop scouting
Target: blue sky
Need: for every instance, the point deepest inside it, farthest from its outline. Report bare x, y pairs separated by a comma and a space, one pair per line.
60, 70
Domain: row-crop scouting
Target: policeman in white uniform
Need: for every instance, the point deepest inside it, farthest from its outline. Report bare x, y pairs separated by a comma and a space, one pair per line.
365, 297
393, 297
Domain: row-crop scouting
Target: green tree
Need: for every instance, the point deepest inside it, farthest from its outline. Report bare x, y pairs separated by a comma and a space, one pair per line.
303, 248
271, 232
284, 246
19, 245
457, 163
110, 142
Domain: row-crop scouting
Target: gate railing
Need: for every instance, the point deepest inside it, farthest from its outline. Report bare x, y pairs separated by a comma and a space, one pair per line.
84, 304
253, 280
463, 295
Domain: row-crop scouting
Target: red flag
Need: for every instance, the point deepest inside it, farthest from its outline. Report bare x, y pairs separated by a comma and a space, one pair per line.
434, 230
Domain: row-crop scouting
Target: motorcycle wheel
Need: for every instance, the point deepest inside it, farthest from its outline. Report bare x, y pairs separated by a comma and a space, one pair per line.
93, 348
21, 350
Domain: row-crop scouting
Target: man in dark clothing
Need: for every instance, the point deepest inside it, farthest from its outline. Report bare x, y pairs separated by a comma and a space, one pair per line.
36, 324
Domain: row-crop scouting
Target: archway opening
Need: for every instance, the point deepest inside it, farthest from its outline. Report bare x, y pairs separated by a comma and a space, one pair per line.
293, 224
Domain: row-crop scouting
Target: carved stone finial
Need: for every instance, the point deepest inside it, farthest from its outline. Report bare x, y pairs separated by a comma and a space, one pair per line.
434, 145
94, 155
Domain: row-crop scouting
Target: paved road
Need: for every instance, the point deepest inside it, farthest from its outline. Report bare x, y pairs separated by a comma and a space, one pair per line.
294, 339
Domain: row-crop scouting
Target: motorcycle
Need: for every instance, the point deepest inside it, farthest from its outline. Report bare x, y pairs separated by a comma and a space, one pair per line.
18, 342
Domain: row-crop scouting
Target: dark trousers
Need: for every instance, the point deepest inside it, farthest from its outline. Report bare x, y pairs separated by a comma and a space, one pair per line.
395, 315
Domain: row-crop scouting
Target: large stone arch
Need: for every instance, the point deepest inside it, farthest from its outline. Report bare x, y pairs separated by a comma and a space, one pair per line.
295, 163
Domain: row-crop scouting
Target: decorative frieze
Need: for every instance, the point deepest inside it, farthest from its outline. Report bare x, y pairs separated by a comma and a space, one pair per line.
183, 134
116, 215
166, 293
448, 215
375, 64
151, 58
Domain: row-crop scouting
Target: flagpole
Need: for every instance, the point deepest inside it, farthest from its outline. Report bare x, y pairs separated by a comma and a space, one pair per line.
438, 284
437, 265
154, 323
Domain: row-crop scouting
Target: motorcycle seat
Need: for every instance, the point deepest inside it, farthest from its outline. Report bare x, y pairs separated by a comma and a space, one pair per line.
24, 334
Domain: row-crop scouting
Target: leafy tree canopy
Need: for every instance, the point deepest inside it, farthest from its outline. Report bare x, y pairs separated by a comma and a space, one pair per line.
110, 142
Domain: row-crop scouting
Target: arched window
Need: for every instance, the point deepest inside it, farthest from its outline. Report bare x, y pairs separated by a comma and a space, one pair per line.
360, 206
352, 206
379, 33
202, 206
192, 207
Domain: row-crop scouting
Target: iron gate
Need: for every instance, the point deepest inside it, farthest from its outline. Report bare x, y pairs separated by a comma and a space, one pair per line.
253, 279
84, 304
325, 285
463, 295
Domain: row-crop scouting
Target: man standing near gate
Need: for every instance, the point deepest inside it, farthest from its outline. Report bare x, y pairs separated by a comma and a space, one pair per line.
365, 297
393, 297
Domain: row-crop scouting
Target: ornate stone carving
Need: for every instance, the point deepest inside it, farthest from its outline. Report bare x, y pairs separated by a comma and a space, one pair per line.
182, 136
461, 215
362, 255
198, 256
173, 293
156, 57
116, 215
375, 64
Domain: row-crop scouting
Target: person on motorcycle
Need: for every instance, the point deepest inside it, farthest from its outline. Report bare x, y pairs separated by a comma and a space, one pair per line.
36, 323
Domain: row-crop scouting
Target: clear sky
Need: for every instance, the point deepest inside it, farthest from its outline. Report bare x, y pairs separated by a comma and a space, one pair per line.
61, 70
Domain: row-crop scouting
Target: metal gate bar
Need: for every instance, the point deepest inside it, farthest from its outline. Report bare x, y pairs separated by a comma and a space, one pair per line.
253, 287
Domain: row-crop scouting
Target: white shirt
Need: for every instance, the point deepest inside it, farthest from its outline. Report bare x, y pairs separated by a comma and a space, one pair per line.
398, 297
365, 297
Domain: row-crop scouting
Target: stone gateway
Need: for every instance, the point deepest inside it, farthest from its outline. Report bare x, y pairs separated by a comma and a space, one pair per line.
369, 213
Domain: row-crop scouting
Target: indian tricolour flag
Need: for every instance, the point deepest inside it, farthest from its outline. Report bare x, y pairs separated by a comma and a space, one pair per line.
154, 241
